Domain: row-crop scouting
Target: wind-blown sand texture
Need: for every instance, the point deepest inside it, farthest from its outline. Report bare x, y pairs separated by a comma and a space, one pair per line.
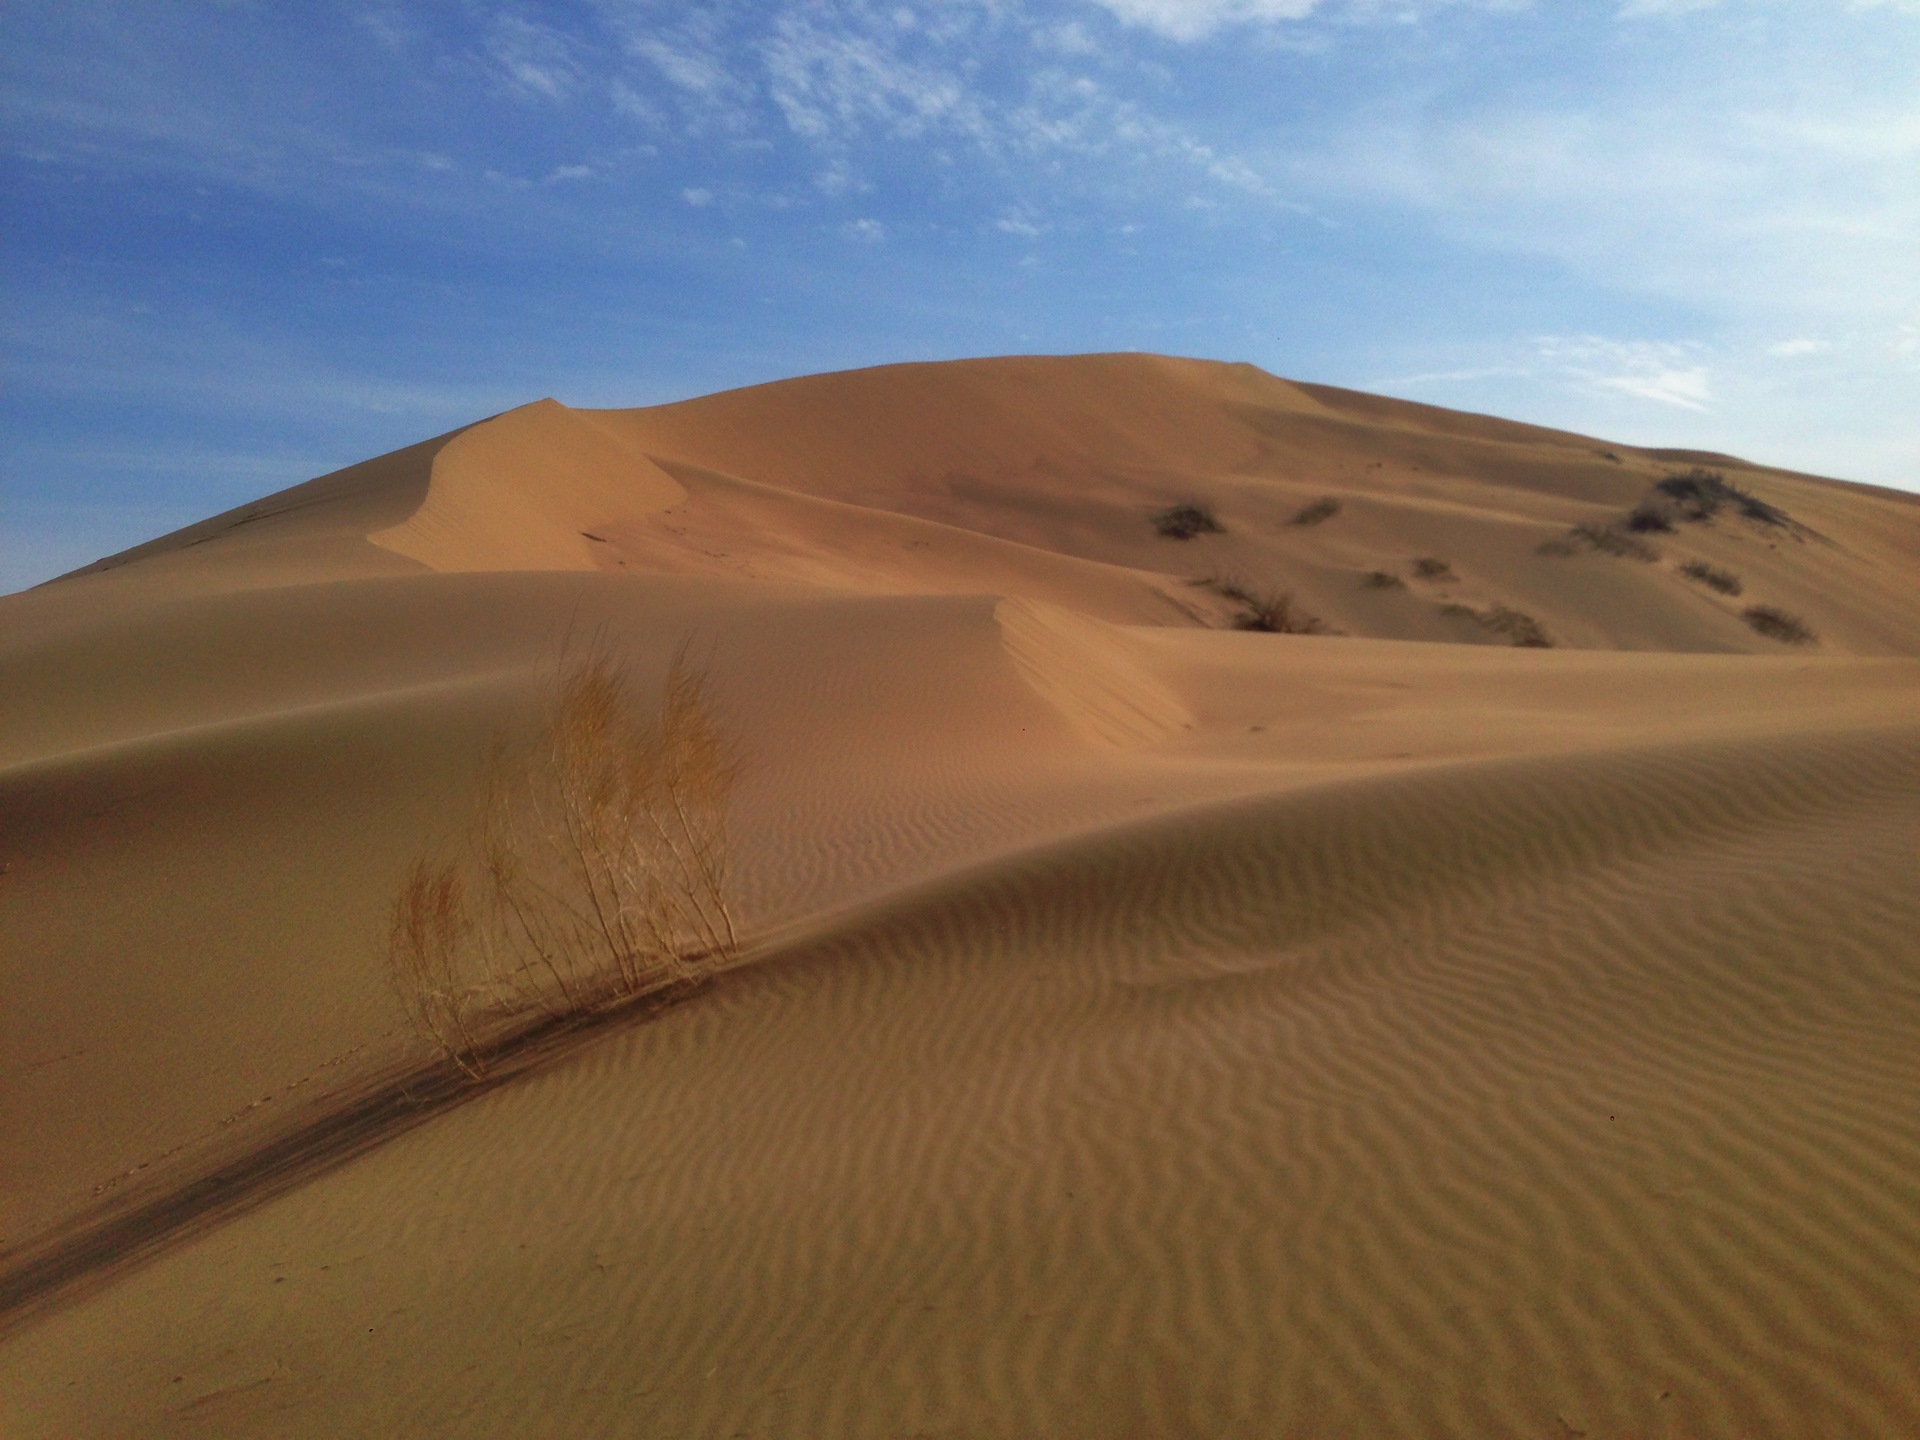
1146, 1028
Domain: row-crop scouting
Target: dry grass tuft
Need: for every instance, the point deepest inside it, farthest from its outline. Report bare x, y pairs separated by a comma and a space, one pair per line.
1382, 580
594, 872
1431, 567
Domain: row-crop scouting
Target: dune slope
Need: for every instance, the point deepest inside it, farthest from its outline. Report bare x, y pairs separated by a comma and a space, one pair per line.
1146, 1026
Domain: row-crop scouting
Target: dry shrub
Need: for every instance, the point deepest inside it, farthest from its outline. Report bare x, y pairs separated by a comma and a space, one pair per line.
1649, 519
1186, 520
1274, 613
1610, 541
1516, 625
1431, 567
1701, 493
1711, 576
1777, 624
594, 872
1382, 580
1325, 508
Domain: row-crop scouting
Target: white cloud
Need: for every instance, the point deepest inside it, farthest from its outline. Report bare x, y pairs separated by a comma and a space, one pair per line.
1197, 19
1792, 349
697, 196
866, 231
1647, 370
561, 173
1641, 9
536, 60
837, 82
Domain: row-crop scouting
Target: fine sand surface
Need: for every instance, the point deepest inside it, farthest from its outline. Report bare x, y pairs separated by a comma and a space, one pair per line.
1145, 1027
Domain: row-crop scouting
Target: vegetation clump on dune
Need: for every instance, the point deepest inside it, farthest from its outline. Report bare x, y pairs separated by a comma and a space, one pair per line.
1382, 580
1608, 540
1325, 508
1516, 625
1700, 494
1777, 624
1270, 612
1186, 520
594, 873
1711, 576
1431, 567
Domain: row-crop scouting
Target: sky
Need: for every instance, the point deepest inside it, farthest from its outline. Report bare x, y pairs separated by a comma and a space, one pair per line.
245, 242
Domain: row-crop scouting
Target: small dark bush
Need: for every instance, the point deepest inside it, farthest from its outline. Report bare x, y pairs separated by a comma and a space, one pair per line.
1231, 586
1186, 520
1610, 541
1522, 629
1725, 581
1325, 508
1429, 567
1650, 519
1703, 493
1273, 613
1516, 625
1777, 624
1382, 580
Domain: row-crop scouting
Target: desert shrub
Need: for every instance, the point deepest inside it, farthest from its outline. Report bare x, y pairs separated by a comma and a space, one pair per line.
1714, 578
1274, 613
1325, 508
1516, 625
1777, 624
1519, 627
1609, 541
1648, 518
1701, 494
1382, 580
1186, 520
1430, 567
593, 873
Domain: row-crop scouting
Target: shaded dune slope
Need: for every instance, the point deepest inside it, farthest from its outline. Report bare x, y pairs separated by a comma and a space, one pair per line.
1577, 1121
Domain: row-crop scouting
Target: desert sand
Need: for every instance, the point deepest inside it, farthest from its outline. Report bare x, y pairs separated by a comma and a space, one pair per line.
1491, 1010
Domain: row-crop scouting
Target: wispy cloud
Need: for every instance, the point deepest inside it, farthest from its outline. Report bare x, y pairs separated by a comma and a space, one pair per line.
535, 60
1663, 372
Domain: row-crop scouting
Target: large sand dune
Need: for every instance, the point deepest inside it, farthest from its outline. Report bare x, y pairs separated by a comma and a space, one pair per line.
1145, 1028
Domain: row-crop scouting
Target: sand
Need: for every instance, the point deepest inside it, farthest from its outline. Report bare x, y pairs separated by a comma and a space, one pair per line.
1144, 1027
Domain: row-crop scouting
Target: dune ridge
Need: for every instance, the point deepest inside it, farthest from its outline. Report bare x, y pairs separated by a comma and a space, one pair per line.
1149, 1027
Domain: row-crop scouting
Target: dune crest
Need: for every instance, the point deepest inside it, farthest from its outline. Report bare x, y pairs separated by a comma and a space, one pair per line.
525, 491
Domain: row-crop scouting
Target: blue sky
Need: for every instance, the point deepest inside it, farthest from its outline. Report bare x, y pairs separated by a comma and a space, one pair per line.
246, 243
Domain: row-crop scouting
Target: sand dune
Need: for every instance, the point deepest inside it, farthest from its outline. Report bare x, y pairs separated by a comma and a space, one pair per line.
1145, 1027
